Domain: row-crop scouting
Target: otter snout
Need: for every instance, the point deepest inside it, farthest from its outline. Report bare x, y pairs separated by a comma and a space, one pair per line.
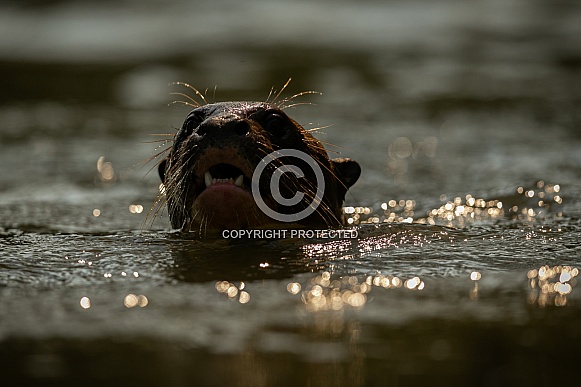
224, 126
208, 173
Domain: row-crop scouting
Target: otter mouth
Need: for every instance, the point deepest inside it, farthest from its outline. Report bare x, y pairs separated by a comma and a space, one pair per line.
222, 192
222, 170
226, 174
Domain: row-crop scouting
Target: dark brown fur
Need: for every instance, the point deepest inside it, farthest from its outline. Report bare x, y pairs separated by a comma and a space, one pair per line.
229, 139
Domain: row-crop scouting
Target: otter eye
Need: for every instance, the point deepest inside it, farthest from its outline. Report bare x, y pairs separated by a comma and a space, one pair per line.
189, 126
276, 125
191, 123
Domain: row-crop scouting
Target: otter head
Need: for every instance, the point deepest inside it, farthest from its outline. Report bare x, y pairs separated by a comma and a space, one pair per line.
207, 175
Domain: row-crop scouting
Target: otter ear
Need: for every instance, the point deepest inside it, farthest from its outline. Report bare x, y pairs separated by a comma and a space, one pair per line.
161, 169
347, 171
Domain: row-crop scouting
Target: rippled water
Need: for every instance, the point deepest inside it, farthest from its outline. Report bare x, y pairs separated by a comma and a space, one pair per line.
463, 115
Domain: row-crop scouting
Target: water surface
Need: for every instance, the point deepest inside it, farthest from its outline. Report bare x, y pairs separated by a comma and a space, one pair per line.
463, 115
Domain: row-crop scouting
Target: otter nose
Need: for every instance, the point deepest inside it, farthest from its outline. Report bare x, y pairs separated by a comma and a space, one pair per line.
224, 126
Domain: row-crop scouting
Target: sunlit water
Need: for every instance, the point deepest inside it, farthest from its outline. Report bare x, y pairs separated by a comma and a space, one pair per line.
465, 265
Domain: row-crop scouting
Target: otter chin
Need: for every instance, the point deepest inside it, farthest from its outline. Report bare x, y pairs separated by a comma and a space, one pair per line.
207, 174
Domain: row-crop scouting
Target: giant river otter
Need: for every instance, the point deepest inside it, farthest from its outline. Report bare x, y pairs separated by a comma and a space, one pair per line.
208, 173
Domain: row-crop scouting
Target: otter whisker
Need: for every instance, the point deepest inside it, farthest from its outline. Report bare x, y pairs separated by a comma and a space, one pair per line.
284, 104
183, 103
203, 229
284, 107
319, 128
193, 101
321, 148
156, 208
279, 93
168, 135
160, 201
288, 99
269, 94
335, 176
146, 161
335, 146
193, 89
330, 144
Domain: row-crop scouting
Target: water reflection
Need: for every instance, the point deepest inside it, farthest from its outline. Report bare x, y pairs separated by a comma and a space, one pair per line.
551, 285
132, 300
524, 204
331, 292
244, 260
85, 303
233, 292
238, 260
105, 170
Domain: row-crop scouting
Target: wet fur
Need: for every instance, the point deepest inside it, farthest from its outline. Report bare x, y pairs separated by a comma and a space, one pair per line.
183, 166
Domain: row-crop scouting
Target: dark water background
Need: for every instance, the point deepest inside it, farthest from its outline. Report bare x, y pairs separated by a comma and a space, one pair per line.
450, 107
